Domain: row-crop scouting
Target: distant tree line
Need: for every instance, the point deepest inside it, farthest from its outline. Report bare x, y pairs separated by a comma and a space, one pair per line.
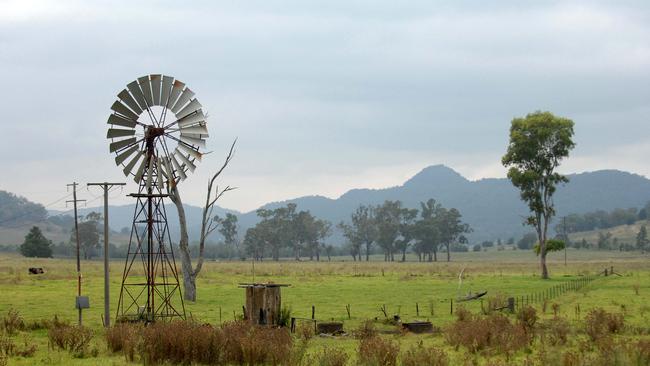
598, 220
285, 228
396, 229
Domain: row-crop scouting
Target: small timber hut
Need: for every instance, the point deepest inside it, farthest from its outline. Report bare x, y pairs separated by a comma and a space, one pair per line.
263, 302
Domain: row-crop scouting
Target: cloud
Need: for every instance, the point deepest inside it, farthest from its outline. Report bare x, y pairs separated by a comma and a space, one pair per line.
327, 96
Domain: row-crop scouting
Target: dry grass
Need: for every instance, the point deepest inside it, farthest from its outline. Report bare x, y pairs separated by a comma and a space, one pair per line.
494, 333
377, 351
425, 356
600, 323
330, 356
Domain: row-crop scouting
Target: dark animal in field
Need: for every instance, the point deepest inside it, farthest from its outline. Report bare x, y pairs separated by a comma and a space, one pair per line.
36, 270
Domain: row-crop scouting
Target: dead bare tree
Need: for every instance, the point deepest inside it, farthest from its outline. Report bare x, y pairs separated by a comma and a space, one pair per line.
208, 225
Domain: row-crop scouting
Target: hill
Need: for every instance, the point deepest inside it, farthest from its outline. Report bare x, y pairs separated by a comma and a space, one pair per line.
491, 206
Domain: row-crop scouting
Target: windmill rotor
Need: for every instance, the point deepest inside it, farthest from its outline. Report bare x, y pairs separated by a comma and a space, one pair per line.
147, 147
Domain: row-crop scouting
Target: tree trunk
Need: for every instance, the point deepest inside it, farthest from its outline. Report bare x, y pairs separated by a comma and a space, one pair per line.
542, 259
189, 280
448, 255
435, 255
368, 252
404, 255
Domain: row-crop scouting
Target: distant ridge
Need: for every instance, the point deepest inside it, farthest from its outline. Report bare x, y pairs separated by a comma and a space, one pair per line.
491, 206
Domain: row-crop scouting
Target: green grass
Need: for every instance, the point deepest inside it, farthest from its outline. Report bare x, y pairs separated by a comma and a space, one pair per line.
330, 286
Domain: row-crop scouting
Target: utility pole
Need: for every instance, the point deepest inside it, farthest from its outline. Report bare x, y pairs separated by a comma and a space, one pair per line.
76, 231
107, 307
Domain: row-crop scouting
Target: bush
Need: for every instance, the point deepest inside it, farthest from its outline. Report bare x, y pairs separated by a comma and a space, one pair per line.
599, 323
13, 322
375, 351
186, 342
557, 330
74, 339
365, 330
494, 332
425, 356
331, 357
123, 337
527, 318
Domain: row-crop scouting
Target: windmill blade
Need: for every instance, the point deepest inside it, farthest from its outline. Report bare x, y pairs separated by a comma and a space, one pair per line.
129, 101
193, 153
122, 144
185, 160
176, 91
116, 119
193, 141
191, 119
117, 132
145, 85
182, 100
119, 159
169, 172
166, 89
140, 171
195, 135
123, 110
159, 173
156, 80
179, 169
198, 129
149, 173
193, 106
136, 92
127, 169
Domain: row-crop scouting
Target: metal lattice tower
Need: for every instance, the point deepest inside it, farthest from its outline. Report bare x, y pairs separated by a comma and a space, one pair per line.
150, 288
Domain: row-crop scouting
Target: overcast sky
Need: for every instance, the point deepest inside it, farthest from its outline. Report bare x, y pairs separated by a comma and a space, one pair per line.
323, 98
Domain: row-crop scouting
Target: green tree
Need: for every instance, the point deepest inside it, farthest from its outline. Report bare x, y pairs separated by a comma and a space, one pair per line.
89, 234
527, 241
388, 219
363, 228
538, 143
426, 230
36, 245
354, 240
228, 229
452, 229
552, 245
642, 240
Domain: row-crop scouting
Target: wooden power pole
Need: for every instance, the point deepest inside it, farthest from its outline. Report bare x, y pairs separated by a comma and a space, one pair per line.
76, 234
107, 307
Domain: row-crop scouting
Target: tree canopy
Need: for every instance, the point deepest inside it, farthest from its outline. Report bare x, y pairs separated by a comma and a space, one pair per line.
36, 244
538, 143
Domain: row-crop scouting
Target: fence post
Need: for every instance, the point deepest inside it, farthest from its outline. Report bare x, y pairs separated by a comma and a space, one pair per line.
417, 310
313, 312
451, 306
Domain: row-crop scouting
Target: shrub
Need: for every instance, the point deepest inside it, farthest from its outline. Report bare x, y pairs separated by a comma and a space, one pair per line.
557, 330
425, 356
306, 330
365, 330
527, 318
285, 317
74, 339
331, 356
13, 322
123, 337
599, 322
642, 352
494, 332
376, 351
463, 314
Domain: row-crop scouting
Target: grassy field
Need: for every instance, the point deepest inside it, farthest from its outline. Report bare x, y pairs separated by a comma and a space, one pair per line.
330, 286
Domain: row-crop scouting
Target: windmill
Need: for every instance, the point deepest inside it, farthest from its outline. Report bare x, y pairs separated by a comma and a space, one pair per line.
142, 138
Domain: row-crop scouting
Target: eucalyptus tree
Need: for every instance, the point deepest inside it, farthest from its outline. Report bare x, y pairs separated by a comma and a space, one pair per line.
228, 228
388, 220
363, 228
426, 230
538, 143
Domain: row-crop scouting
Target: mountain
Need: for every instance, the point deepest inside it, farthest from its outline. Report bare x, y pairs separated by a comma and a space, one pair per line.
491, 206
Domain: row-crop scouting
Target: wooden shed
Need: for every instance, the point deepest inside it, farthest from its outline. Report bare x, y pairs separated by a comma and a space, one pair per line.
263, 302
